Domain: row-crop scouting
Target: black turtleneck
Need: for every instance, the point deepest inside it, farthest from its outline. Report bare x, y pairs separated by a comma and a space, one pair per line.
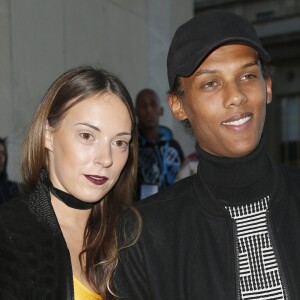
237, 180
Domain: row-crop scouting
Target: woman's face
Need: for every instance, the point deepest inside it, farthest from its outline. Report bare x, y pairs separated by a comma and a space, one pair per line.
90, 147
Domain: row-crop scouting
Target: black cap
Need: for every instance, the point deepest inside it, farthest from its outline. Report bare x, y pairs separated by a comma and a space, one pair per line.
197, 38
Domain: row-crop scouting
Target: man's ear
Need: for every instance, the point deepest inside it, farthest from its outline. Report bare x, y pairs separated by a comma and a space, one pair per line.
48, 138
269, 90
175, 104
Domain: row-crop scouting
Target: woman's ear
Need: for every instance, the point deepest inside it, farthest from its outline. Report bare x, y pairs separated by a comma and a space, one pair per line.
269, 90
48, 137
175, 104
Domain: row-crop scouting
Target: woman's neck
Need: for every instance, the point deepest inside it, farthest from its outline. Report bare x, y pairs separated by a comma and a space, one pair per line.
68, 216
72, 223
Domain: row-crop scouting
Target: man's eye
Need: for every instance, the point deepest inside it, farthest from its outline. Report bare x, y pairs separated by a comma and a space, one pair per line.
210, 84
248, 76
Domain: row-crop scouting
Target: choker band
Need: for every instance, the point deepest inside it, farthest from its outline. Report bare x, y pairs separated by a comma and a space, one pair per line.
70, 200
67, 198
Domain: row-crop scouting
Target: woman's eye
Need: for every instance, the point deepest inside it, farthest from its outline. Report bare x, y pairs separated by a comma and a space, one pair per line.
121, 144
86, 136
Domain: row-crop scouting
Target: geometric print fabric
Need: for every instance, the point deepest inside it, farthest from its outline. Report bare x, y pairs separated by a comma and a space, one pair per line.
258, 268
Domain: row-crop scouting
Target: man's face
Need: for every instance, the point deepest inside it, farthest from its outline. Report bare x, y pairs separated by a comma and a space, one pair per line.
2, 158
148, 110
225, 101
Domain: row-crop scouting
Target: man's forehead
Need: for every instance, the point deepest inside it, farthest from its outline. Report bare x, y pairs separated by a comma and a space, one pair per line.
147, 97
250, 54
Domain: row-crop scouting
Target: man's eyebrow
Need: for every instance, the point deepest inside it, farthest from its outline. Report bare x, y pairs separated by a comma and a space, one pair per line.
213, 71
89, 125
253, 63
205, 71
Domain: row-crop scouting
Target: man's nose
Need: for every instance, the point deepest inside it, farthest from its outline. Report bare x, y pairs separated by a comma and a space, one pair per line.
234, 95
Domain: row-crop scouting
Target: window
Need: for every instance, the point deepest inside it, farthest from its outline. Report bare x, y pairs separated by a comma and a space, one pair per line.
265, 16
290, 131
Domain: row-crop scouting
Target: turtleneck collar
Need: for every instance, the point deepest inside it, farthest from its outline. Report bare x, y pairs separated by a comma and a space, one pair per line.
237, 180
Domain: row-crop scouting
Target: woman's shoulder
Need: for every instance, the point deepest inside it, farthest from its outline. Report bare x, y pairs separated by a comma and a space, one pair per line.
12, 208
31, 257
17, 217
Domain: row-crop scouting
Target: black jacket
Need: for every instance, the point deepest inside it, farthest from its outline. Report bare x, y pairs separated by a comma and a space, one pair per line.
187, 248
8, 189
35, 263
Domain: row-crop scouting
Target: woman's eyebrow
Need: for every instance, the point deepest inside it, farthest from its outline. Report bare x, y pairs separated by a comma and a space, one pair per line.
124, 133
97, 129
89, 125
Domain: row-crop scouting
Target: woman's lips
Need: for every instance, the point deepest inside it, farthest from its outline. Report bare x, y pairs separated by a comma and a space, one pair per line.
98, 180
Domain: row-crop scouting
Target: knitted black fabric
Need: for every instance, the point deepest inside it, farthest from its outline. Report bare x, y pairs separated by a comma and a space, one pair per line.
34, 259
238, 180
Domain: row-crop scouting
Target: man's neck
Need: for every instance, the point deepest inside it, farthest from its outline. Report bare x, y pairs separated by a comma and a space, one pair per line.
150, 134
238, 180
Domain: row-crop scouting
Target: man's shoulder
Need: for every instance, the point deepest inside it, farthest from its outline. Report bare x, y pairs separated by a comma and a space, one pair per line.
171, 196
290, 172
165, 133
291, 177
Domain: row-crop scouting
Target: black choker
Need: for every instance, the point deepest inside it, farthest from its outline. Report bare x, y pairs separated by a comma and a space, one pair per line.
67, 198
70, 200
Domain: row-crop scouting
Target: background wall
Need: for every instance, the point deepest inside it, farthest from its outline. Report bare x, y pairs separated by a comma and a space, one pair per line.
42, 39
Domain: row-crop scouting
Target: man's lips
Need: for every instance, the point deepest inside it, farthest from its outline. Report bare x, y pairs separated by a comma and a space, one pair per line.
98, 180
238, 120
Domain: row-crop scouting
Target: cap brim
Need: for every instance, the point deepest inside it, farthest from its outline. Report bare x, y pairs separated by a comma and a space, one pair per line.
193, 63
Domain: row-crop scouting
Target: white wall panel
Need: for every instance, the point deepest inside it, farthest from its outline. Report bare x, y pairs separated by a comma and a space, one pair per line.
41, 39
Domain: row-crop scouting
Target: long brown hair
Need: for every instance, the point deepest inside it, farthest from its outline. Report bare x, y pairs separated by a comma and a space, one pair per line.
100, 248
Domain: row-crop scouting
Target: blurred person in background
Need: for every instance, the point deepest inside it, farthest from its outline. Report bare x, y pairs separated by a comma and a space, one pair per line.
8, 188
160, 155
189, 166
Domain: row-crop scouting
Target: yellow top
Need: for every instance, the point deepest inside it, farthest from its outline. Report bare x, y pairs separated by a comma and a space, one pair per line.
82, 292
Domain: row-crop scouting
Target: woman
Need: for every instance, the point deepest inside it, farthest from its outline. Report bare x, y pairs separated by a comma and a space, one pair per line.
79, 161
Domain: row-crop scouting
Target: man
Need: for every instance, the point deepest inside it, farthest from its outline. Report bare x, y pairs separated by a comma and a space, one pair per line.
160, 156
8, 188
232, 231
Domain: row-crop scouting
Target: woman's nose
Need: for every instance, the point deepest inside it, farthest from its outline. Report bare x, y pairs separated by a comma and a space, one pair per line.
103, 156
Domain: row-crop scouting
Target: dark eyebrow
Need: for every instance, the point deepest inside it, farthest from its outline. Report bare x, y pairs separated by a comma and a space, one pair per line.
253, 63
124, 133
97, 129
89, 125
207, 71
